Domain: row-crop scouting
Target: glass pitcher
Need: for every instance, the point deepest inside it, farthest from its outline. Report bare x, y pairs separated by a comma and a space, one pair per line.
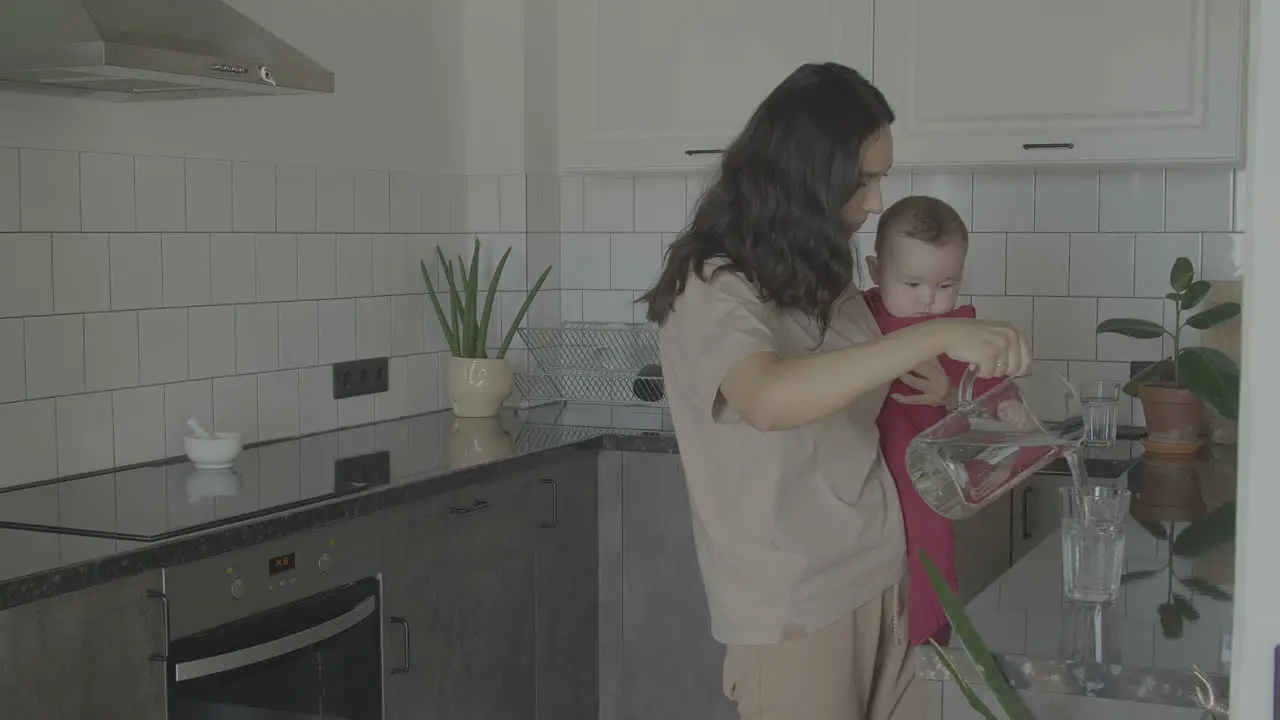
991, 443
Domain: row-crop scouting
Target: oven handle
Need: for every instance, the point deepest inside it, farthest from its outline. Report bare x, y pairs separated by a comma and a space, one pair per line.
248, 656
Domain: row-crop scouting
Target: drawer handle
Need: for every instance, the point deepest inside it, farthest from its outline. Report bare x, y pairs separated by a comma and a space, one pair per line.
164, 619
1049, 146
691, 153
408, 648
555, 504
1026, 526
476, 506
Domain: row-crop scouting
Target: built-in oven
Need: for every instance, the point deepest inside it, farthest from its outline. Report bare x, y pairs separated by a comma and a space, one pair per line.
287, 630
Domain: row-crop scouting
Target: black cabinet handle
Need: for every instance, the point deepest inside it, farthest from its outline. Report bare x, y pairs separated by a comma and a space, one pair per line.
555, 504
1049, 146
476, 506
408, 647
702, 152
1026, 526
164, 618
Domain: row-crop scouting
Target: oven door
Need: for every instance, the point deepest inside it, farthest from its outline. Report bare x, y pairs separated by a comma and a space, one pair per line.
320, 657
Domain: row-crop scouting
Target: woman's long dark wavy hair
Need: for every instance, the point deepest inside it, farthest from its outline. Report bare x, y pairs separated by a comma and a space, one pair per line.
774, 212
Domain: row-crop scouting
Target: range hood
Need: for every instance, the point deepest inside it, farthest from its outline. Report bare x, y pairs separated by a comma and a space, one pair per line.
147, 50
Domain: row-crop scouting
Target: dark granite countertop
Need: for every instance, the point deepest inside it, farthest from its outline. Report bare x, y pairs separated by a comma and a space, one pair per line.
429, 454
1175, 611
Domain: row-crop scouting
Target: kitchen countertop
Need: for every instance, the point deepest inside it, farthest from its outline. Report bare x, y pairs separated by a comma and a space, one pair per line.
1175, 611
121, 510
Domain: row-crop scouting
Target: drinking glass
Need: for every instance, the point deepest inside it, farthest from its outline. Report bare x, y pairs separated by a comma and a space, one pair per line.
1099, 407
1093, 520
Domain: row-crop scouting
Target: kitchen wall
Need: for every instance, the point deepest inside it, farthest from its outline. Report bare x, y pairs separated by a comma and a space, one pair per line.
1052, 252
213, 258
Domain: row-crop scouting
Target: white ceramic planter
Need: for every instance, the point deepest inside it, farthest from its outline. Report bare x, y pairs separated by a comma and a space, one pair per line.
478, 387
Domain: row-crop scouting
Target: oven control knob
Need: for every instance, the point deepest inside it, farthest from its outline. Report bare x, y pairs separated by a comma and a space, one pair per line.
237, 588
323, 562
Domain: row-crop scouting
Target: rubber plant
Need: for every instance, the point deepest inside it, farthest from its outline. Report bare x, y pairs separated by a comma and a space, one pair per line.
466, 326
1010, 702
1171, 390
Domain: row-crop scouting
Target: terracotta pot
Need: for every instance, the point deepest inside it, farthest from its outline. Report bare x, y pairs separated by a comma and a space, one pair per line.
478, 440
478, 387
1169, 490
1174, 414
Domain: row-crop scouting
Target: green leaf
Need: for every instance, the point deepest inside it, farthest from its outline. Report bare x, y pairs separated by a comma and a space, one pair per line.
1132, 327
1215, 528
1138, 575
1213, 377
489, 299
1170, 620
1154, 370
455, 304
524, 308
1194, 293
471, 316
1215, 315
1156, 529
966, 689
1200, 586
1010, 701
449, 337
1181, 275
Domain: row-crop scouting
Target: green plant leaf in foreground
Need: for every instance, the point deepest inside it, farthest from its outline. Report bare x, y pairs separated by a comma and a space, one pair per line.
449, 336
966, 689
1170, 620
1215, 315
1010, 701
1194, 293
1181, 274
1132, 327
1154, 370
1213, 377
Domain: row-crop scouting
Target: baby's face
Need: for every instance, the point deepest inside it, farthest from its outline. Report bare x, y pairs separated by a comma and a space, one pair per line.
918, 278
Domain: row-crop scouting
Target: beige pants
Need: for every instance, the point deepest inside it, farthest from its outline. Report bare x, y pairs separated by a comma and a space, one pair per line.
859, 668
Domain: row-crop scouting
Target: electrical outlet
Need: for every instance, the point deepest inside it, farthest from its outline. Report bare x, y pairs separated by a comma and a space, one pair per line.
361, 471
360, 377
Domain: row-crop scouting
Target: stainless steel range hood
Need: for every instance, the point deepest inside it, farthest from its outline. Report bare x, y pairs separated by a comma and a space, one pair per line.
147, 50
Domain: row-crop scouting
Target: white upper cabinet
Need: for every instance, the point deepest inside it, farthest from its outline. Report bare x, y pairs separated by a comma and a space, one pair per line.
1041, 82
648, 84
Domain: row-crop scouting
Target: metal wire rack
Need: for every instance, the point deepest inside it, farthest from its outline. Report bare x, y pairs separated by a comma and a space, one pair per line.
611, 387
534, 437
592, 346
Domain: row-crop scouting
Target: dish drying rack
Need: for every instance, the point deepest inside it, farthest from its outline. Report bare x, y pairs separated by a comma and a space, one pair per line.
593, 362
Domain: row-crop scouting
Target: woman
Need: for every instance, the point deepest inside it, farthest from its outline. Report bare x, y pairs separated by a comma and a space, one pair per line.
776, 371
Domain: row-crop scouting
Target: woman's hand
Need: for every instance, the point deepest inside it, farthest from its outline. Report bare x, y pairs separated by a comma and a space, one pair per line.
993, 348
932, 383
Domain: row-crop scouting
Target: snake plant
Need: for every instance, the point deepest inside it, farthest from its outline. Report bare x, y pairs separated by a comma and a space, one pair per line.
466, 326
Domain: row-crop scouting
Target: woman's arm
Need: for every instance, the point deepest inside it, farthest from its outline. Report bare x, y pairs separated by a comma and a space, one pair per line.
771, 393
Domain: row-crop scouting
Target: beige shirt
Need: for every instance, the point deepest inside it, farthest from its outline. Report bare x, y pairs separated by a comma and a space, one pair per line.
794, 528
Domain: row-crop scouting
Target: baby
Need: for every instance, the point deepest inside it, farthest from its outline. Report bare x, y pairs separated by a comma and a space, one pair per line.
917, 267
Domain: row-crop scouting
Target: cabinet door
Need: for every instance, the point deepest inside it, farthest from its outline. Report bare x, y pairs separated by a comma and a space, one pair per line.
672, 668
460, 576
567, 592
982, 548
1037, 512
643, 84
76, 655
1036, 82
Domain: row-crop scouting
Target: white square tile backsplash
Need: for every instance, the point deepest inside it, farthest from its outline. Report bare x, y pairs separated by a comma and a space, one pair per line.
136, 292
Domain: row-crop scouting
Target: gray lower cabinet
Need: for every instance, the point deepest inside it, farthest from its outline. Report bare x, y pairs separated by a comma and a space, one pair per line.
489, 594
459, 586
567, 596
983, 546
83, 654
1037, 512
663, 663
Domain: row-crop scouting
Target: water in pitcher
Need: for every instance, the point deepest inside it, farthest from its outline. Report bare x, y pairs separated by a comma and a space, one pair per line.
959, 474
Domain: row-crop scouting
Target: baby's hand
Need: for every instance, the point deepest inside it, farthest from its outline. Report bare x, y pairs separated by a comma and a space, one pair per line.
1016, 415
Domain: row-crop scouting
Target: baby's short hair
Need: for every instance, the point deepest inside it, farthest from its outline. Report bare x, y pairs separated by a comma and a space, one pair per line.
924, 218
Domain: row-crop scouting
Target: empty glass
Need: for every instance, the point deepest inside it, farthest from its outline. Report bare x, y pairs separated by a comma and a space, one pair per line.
1093, 520
1100, 409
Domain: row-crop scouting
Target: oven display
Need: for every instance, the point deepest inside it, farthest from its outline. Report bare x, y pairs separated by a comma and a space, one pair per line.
281, 563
